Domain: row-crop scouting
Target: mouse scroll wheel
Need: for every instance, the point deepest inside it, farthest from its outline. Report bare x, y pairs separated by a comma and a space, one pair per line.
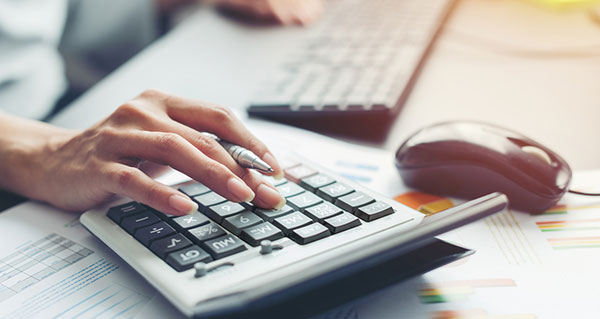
537, 152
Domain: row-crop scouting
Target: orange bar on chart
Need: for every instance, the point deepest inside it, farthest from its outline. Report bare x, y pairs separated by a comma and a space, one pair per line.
425, 203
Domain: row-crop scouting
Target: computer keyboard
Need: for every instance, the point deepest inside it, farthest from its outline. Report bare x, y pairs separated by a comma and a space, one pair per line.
356, 67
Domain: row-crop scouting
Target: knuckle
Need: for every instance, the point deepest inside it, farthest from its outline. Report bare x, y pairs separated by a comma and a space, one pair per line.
208, 146
125, 177
153, 193
169, 142
129, 110
222, 114
212, 171
152, 93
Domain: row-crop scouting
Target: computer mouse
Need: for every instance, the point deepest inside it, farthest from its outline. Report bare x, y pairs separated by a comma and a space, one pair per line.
471, 159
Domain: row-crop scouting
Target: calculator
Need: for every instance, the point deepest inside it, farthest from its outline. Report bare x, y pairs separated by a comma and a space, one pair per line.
229, 259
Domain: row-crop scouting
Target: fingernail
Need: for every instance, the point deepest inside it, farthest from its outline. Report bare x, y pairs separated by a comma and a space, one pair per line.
270, 159
182, 204
270, 196
240, 190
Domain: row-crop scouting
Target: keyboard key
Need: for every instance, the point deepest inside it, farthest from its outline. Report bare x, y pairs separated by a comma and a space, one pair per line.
265, 231
296, 173
341, 222
209, 199
224, 246
291, 221
206, 232
245, 219
353, 201
119, 212
221, 211
373, 211
317, 181
322, 211
194, 189
165, 246
310, 233
191, 221
271, 214
186, 258
289, 189
275, 182
137, 221
333, 191
153, 232
304, 200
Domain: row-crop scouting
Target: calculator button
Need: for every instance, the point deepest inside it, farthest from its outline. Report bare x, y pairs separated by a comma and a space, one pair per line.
273, 181
374, 211
245, 219
206, 232
289, 189
271, 214
304, 200
296, 173
220, 211
265, 231
209, 199
313, 182
119, 212
291, 221
224, 246
191, 221
322, 211
341, 222
186, 258
353, 201
149, 233
333, 191
310, 233
131, 223
165, 246
194, 189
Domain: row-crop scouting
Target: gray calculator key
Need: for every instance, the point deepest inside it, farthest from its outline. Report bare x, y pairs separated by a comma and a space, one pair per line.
165, 246
310, 233
132, 223
289, 189
206, 232
271, 214
322, 211
190, 221
224, 246
317, 181
245, 219
353, 201
119, 212
342, 222
220, 211
265, 231
304, 200
186, 258
209, 199
275, 182
153, 232
333, 191
291, 221
373, 211
194, 189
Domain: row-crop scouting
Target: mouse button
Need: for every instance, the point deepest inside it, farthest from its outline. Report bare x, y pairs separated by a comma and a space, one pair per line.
539, 153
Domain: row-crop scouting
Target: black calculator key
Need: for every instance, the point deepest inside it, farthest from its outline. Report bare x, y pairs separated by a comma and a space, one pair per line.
333, 191
310, 233
224, 246
245, 219
291, 221
304, 200
253, 235
273, 181
209, 199
342, 222
194, 189
165, 246
132, 223
190, 221
271, 214
119, 212
186, 258
322, 211
316, 181
220, 211
374, 211
153, 232
353, 201
289, 189
206, 232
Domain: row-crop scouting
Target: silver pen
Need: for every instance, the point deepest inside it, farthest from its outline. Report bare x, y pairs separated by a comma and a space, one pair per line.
245, 158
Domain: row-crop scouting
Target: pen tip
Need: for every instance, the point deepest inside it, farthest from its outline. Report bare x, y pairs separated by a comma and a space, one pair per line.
270, 170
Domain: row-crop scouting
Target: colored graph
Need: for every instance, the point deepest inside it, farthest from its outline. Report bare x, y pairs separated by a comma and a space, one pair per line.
569, 225
565, 209
476, 314
511, 239
449, 291
575, 242
425, 203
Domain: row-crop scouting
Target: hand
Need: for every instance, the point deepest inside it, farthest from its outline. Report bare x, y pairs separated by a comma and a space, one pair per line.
77, 171
286, 12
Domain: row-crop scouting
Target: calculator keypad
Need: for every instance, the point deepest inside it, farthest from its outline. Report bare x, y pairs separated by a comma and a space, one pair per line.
318, 206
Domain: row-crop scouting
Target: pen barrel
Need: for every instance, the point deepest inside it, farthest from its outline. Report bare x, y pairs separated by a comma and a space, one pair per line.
242, 156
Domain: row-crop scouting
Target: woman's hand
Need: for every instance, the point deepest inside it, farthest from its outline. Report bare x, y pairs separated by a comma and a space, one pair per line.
286, 12
78, 170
